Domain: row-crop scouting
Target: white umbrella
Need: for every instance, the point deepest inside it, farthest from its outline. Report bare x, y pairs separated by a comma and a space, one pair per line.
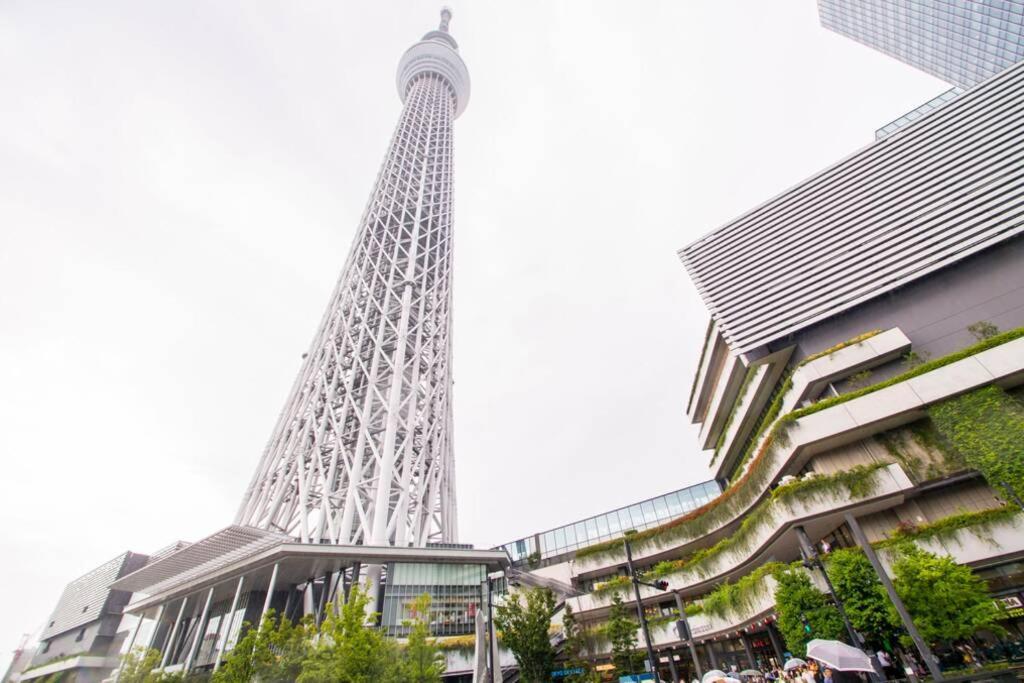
793, 663
839, 656
730, 679
712, 675
751, 672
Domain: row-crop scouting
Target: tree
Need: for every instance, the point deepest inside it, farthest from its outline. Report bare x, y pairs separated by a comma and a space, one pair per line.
622, 634
863, 596
273, 653
572, 648
947, 601
250, 654
137, 666
524, 620
422, 660
350, 651
804, 611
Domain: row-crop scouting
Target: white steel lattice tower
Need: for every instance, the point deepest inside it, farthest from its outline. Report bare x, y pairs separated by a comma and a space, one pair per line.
362, 452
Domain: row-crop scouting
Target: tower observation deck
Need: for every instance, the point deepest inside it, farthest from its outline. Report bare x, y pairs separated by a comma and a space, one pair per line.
362, 451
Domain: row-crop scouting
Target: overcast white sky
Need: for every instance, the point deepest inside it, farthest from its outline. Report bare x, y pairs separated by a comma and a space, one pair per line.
180, 181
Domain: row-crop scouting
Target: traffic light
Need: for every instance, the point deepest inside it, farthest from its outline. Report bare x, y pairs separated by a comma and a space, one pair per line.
661, 585
807, 624
683, 629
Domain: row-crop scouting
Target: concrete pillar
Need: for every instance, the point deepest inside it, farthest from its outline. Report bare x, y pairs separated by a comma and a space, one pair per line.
712, 657
174, 633
773, 635
908, 623
229, 624
200, 631
270, 595
751, 663
131, 644
156, 626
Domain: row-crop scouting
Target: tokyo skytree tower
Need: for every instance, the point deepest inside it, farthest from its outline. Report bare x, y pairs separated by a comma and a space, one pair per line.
362, 451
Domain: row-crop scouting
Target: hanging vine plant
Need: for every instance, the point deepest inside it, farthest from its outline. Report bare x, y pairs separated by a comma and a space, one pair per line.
986, 427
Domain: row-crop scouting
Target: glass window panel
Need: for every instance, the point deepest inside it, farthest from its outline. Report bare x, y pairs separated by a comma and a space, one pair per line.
581, 532
649, 515
560, 538
547, 542
614, 525
625, 523
637, 514
660, 508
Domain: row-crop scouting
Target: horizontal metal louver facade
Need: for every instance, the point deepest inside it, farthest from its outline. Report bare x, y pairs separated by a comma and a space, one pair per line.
85, 599
946, 187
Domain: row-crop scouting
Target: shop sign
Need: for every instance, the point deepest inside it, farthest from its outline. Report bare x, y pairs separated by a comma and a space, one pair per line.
562, 673
1012, 605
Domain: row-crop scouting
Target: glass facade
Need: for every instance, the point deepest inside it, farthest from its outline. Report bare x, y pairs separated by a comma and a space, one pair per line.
604, 527
456, 592
963, 42
913, 115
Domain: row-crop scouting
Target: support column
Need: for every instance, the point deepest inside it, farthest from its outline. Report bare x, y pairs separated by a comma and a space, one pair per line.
712, 657
156, 625
331, 582
131, 644
688, 635
230, 623
357, 569
773, 635
200, 631
174, 633
908, 623
270, 594
746, 648
286, 611
672, 666
308, 607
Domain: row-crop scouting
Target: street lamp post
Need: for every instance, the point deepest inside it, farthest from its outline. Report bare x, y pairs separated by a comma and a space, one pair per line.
490, 629
662, 585
683, 629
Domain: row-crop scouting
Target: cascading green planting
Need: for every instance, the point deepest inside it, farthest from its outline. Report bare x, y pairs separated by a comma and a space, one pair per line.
979, 522
986, 427
752, 480
857, 482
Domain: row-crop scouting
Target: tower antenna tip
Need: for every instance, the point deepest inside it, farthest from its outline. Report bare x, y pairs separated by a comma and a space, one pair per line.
446, 16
